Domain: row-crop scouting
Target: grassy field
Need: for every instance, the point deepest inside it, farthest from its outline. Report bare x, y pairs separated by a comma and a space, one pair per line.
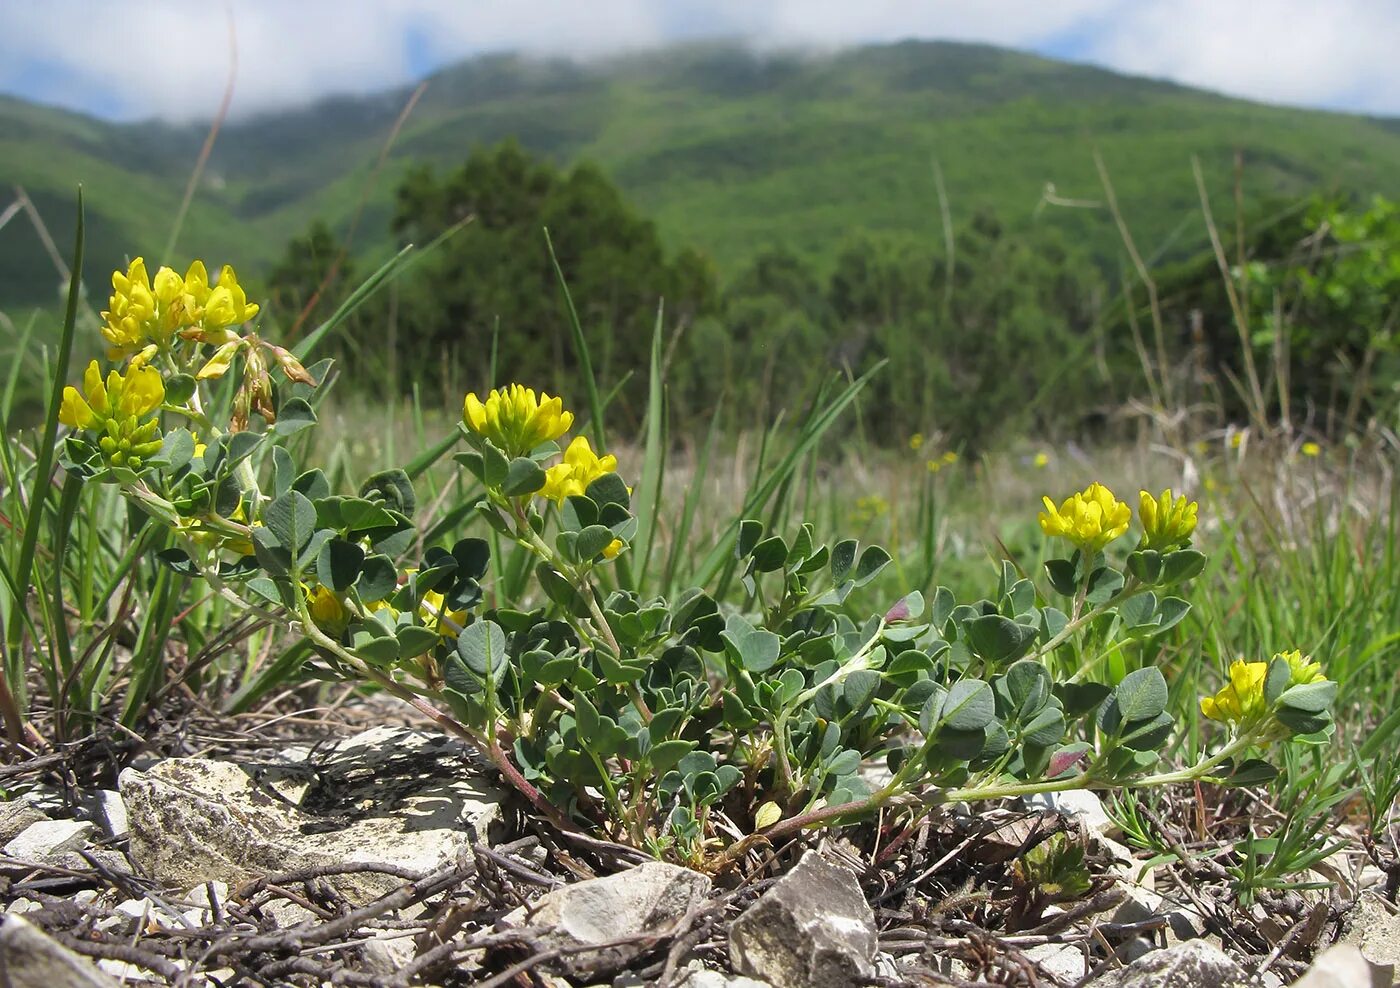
730, 152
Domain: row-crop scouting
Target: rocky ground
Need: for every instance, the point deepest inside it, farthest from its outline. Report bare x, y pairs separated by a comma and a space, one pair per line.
392, 858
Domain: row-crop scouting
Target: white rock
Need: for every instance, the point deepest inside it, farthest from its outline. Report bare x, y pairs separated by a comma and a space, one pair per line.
714, 979
644, 899
1079, 804
29, 959
1344, 966
1060, 960
387, 953
16, 815
409, 798
47, 838
1193, 964
811, 929
109, 811
1373, 927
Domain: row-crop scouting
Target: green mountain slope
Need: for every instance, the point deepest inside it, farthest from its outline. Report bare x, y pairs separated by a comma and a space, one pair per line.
729, 151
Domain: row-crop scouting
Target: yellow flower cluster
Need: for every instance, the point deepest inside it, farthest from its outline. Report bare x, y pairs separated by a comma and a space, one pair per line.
515, 420
116, 410
1166, 523
580, 468
1241, 703
142, 312
946, 460
1092, 518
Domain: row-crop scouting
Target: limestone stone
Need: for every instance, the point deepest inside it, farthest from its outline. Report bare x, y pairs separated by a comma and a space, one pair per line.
393, 796
644, 899
812, 929
30, 959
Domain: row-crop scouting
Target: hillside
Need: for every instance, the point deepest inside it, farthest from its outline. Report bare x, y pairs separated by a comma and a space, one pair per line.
727, 150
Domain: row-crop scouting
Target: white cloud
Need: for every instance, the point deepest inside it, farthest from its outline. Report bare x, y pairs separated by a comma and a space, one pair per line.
169, 58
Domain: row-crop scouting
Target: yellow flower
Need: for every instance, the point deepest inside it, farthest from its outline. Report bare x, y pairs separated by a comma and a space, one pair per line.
515, 420
1241, 702
580, 468
130, 313
1303, 668
1311, 449
934, 466
1042, 460
228, 304
327, 610
1090, 519
1166, 523
433, 615
612, 549
916, 441
114, 409
1236, 439
949, 458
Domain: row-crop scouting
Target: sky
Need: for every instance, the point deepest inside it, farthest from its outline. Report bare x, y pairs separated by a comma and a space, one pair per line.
137, 59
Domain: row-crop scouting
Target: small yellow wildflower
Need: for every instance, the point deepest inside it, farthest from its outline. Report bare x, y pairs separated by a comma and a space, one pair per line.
916, 441
580, 468
327, 610
1090, 519
515, 420
227, 305
432, 612
116, 410
1236, 440
130, 313
934, 466
611, 550
1167, 523
949, 458
1311, 449
1241, 703
1042, 460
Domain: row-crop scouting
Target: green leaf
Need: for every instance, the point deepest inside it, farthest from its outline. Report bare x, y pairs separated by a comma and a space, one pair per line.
377, 649
1062, 577
970, 706
591, 542
292, 518
586, 717
338, 564
393, 489
1145, 565
415, 640
859, 688
1182, 565
1252, 772
846, 762
1309, 698
666, 755
482, 646
609, 489
996, 638
523, 476
1104, 584
754, 649
843, 557
872, 561
179, 388
176, 450
770, 554
1045, 728
295, 415
1142, 695
1278, 679
750, 531
378, 578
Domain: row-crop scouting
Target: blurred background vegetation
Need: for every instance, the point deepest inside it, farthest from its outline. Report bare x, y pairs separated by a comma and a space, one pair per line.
1023, 240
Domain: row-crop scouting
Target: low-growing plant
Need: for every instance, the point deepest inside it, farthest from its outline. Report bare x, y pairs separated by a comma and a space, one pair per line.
682, 723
